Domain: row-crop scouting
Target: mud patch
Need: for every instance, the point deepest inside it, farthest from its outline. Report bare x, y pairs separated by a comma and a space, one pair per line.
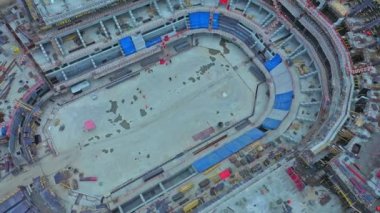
118, 118
125, 124
223, 43
113, 107
205, 68
142, 112
213, 51
192, 79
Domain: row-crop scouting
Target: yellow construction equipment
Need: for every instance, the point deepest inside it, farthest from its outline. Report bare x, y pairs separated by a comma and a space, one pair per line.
215, 178
185, 188
70, 37
191, 205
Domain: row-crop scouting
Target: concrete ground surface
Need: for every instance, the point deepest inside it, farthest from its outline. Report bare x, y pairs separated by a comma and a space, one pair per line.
149, 119
270, 194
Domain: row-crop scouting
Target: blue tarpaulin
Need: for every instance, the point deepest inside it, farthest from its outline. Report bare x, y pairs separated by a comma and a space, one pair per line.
127, 45
283, 101
227, 150
11, 201
199, 20
206, 162
152, 42
271, 124
255, 134
215, 21
271, 64
21, 207
223, 152
3, 131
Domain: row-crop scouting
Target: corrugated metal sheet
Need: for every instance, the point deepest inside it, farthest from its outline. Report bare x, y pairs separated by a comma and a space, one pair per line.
271, 64
283, 101
199, 20
12, 201
227, 150
271, 123
127, 45
152, 42
215, 21
21, 207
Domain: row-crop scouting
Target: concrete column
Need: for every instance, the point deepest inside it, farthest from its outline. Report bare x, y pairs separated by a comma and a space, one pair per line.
170, 5
93, 62
104, 29
310, 63
278, 30
297, 54
45, 53
55, 47
246, 6
142, 198
156, 7
181, 4
232, 4
64, 75
132, 17
296, 50
59, 46
81, 38
268, 20
117, 24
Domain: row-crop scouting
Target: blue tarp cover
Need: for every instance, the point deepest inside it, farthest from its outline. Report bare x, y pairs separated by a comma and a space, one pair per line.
3, 131
152, 42
206, 162
227, 150
271, 64
199, 20
12, 201
215, 22
255, 134
270, 123
21, 207
127, 45
283, 101
223, 152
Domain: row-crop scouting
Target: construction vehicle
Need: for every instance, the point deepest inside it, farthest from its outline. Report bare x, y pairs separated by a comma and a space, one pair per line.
185, 188
191, 205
